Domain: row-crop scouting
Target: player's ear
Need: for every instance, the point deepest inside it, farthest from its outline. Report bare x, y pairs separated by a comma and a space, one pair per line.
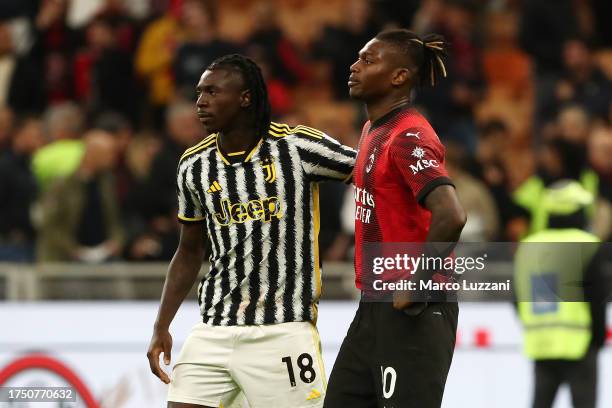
401, 76
245, 99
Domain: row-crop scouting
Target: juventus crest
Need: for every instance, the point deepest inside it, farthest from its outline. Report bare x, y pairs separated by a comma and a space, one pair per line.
269, 168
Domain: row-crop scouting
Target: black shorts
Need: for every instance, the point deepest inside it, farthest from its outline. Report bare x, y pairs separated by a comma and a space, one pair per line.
391, 360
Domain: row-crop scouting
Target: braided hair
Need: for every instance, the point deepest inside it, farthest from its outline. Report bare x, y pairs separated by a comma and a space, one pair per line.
428, 53
254, 82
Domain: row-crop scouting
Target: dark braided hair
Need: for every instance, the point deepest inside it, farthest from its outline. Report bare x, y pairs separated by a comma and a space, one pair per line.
428, 53
254, 82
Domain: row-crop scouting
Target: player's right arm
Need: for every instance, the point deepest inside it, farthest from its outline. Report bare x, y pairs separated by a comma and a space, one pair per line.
182, 274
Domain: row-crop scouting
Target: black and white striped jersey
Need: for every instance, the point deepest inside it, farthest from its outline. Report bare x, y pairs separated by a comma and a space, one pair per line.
261, 213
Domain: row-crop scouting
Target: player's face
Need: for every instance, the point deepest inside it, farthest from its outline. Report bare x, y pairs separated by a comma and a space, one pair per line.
372, 74
221, 99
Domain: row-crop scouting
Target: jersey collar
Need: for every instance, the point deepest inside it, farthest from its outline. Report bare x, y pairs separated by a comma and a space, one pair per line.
389, 115
237, 157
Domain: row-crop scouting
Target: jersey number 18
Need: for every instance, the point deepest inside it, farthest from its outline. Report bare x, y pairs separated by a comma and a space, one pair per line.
307, 372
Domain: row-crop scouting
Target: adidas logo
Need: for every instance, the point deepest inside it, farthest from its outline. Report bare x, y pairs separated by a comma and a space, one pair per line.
314, 394
214, 187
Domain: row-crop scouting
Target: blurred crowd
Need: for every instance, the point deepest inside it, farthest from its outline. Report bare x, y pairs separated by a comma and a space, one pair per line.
97, 105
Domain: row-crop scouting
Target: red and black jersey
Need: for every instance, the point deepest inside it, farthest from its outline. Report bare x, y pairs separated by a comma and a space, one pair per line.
400, 160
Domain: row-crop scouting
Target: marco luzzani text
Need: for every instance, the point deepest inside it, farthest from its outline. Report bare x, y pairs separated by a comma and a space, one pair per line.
407, 264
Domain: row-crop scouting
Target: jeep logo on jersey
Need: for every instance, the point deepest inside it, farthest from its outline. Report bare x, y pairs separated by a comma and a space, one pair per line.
265, 210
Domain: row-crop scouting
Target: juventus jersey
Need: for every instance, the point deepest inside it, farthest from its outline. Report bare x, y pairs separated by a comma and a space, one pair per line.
261, 214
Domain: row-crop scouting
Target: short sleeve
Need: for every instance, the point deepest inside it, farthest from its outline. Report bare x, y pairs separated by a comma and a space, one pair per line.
324, 158
189, 206
418, 155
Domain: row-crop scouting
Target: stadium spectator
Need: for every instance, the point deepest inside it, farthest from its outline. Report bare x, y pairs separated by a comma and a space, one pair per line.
54, 47
545, 26
20, 79
49, 14
153, 204
81, 12
103, 73
122, 15
280, 94
506, 68
560, 159
120, 128
492, 169
80, 219
482, 215
18, 190
573, 124
146, 240
285, 62
183, 130
450, 105
430, 13
339, 44
600, 152
155, 55
64, 125
583, 82
6, 128
202, 45
580, 83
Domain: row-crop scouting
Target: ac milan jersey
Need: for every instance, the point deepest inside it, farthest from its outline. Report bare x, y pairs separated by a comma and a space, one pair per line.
400, 160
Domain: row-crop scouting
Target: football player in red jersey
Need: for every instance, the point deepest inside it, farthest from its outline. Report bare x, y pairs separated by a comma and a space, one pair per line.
398, 353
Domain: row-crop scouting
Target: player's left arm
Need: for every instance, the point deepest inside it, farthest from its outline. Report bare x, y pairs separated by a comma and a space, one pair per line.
447, 220
447, 215
420, 162
323, 157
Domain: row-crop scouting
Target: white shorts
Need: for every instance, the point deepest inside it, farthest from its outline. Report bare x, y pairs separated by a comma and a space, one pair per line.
277, 365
